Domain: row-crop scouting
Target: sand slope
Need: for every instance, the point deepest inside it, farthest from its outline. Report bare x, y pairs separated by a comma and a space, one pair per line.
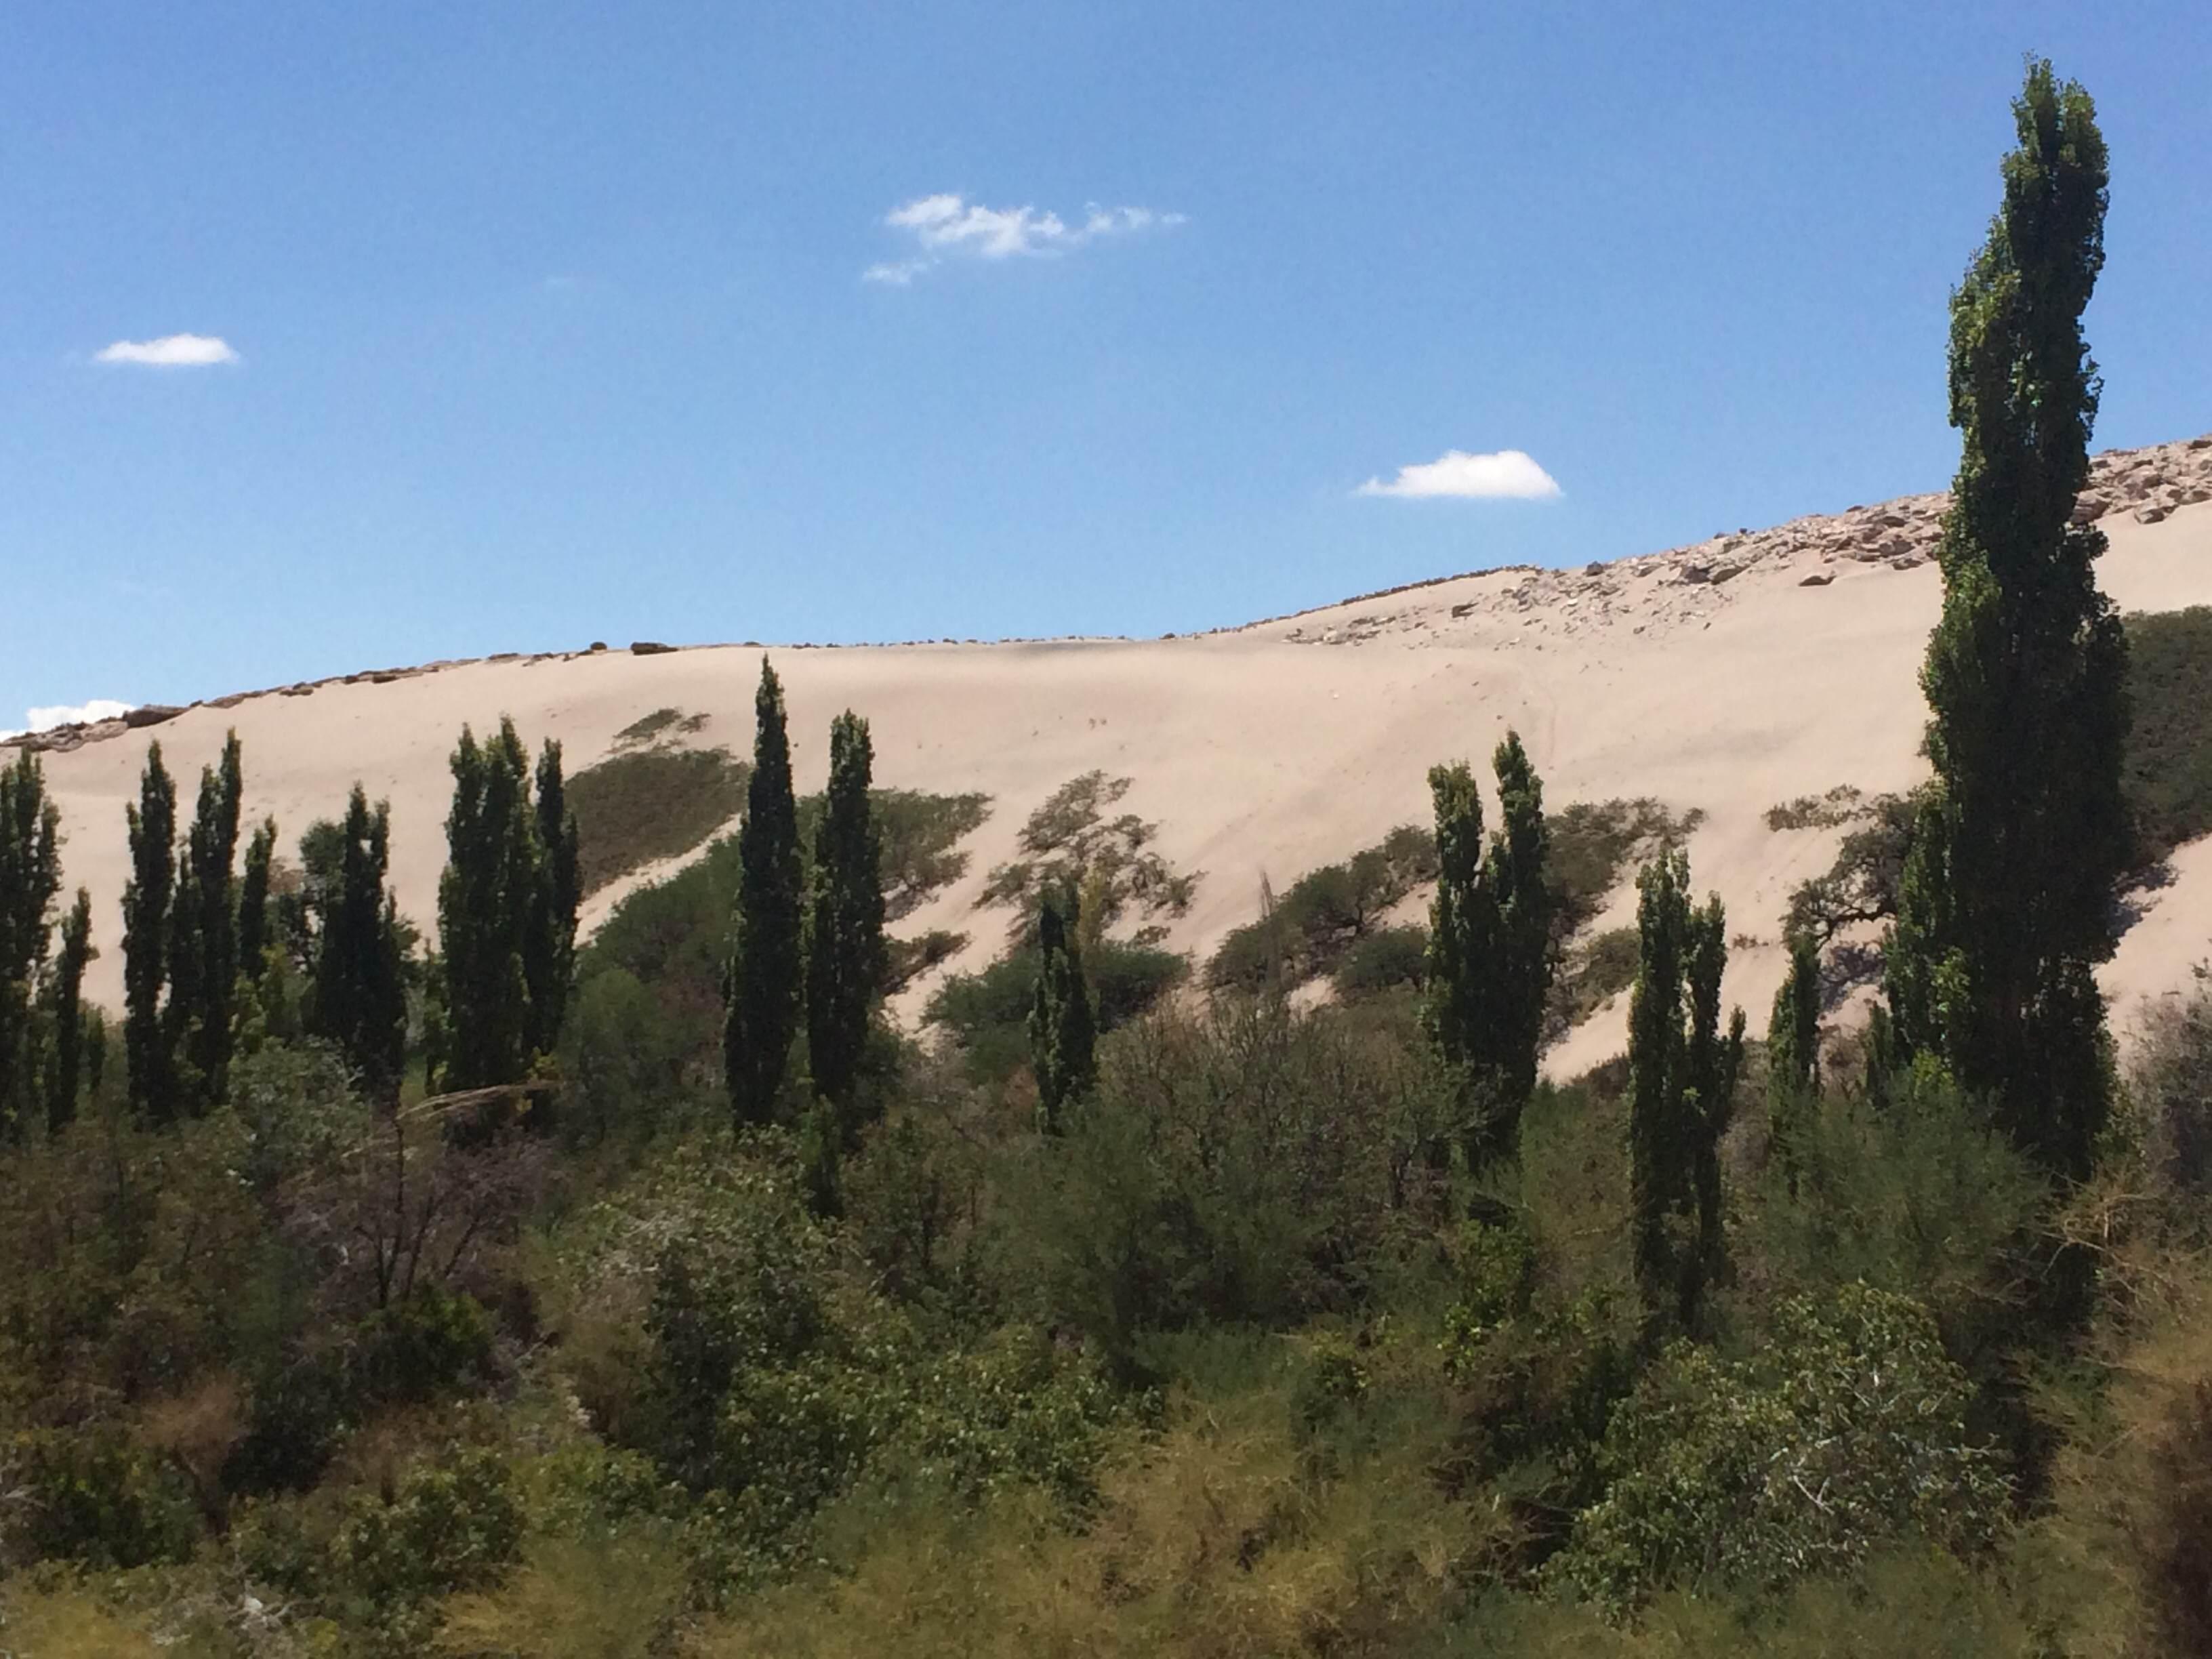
1728, 677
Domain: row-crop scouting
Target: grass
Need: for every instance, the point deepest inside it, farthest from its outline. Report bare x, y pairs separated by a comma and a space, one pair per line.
651, 804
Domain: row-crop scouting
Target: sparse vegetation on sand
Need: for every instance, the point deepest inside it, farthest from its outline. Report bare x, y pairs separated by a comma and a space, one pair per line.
650, 803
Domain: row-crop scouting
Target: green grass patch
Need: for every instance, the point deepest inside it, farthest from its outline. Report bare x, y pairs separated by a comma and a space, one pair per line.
661, 723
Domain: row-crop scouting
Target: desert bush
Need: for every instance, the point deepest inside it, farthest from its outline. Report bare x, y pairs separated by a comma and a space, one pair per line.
646, 804
1847, 1433
422, 1345
986, 1013
1068, 844
450, 1522
2167, 769
1839, 805
2170, 1086
1384, 960
91, 1494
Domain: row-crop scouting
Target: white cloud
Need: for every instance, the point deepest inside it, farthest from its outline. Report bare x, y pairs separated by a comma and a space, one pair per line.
1509, 473
83, 713
949, 226
170, 351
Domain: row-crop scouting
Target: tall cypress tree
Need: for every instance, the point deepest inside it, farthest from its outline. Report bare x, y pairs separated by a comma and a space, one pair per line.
845, 942
486, 898
1682, 1075
253, 931
2006, 903
146, 917
203, 939
30, 876
1490, 952
764, 985
360, 993
66, 1008
1063, 1032
1793, 1049
550, 959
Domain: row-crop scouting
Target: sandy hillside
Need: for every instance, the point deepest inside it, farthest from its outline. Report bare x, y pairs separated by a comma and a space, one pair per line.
1726, 676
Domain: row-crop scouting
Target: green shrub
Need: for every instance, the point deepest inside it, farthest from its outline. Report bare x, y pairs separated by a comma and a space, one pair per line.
423, 1345
300, 1410
2167, 772
1384, 960
988, 1012
89, 1495
1329, 914
1068, 842
452, 1523
1847, 1433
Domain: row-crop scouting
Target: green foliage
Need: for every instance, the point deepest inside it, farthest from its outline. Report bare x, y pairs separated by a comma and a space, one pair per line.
1593, 843
1682, 1077
1384, 960
2167, 773
765, 974
2172, 1085
452, 1523
1070, 846
358, 998
87, 1494
1838, 806
422, 1345
1326, 916
1848, 1433
63, 1002
1063, 1028
1793, 1047
650, 804
30, 876
146, 900
660, 724
255, 931
986, 1013
1597, 969
484, 902
2006, 905
845, 958
548, 952
203, 947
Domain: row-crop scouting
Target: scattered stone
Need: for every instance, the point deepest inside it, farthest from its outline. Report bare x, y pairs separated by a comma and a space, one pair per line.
1465, 610
2151, 514
649, 648
1909, 562
152, 714
1818, 578
597, 646
1696, 575
1724, 573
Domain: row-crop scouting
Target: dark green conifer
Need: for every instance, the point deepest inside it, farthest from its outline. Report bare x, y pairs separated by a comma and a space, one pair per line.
1682, 1075
2006, 907
1063, 1032
204, 940
146, 917
550, 959
1793, 1049
845, 941
1490, 948
485, 900
67, 1011
763, 982
359, 999
254, 936
30, 876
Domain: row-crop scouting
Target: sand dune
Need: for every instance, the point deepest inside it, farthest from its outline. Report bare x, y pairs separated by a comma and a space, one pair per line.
1727, 676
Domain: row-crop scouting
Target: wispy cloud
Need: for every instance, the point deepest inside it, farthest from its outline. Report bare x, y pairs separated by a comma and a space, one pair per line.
83, 713
1508, 474
170, 351
948, 225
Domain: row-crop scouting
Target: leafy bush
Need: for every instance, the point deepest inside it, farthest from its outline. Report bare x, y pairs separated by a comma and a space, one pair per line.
1595, 843
1384, 960
1069, 843
1847, 1433
1596, 969
423, 1345
90, 1495
988, 1012
452, 1522
2166, 771
1839, 805
2171, 1087
1326, 914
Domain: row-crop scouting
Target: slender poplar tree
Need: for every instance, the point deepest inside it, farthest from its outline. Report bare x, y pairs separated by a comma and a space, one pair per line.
1682, 1075
845, 941
549, 955
30, 876
2006, 906
486, 898
1793, 1050
146, 915
763, 984
203, 939
359, 999
253, 931
66, 1009
1063, 1032
1489, 949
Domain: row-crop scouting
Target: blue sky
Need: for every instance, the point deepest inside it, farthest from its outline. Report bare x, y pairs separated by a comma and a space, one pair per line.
553, 323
